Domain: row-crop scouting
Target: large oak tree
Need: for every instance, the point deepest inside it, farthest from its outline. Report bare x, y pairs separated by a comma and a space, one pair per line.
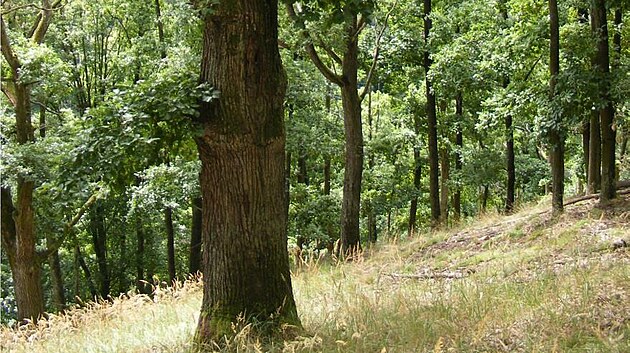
245, 259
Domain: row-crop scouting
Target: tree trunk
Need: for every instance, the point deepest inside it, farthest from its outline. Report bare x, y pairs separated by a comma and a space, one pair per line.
141, 282
510, 165
326, 175
194, 264
351, 102
99, 241
586, 142
485, 195
302, 176
372, 232
445, 176
56, 279
617, 38
459, 142
509, 138
242, 150
19, 239
417, 178
170, 244
594, 154
607, 113
555, 134
160, 26
86, 271
434, 171
350, 237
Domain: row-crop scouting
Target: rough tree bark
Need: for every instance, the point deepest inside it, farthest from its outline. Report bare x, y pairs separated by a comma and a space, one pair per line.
242, 150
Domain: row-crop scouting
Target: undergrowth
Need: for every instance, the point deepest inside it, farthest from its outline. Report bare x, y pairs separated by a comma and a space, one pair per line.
523, 283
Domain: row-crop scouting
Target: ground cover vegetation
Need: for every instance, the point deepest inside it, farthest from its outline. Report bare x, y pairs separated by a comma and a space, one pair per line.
522, 283
144, 142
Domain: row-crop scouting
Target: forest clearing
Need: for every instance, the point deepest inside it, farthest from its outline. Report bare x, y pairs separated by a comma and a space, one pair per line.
529, 283
314, 175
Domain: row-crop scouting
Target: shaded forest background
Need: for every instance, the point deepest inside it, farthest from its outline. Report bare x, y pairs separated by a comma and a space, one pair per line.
100, 101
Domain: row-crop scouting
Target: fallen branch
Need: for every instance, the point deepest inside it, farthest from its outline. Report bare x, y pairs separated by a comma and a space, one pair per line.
620, 185
430, 275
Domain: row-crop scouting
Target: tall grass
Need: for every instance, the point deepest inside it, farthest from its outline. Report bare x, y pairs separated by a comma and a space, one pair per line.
530, 285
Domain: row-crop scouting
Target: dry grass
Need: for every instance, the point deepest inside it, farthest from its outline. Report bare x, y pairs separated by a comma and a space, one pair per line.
524, 283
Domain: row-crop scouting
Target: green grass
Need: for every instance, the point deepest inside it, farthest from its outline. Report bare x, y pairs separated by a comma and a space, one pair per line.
553, 287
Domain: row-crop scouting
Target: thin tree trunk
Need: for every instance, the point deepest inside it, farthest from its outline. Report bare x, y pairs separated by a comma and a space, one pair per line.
445, 176
56, 277
586, 141
302, 176
326, 175
99, 241
485, 195
86, 272
417, 178
432, 124
617, 38
510, 164
160, 27
555, 135
607, 113
350, 237
242, 150
56, 280
586, 124
194, 264
509, 138
351, 102
459, 143
594, 156
170, 244
141, 284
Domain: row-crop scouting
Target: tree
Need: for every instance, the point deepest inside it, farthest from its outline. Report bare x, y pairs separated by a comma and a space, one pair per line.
353, 16
555, 134
607, 111
245, 259
509, 135
18, 225
434, 189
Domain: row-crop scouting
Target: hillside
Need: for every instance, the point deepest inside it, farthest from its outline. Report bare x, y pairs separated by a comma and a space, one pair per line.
522, 283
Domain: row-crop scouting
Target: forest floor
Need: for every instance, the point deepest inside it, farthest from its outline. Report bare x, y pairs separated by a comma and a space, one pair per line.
521, 283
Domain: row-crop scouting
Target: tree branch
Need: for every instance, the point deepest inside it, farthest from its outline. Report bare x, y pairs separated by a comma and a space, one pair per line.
42, 21
7, 50
56, 243
368, 80
329, 51
310, 48
532, 69
9, 92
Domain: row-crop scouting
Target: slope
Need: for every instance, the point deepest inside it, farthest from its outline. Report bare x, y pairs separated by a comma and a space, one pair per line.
522, 283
